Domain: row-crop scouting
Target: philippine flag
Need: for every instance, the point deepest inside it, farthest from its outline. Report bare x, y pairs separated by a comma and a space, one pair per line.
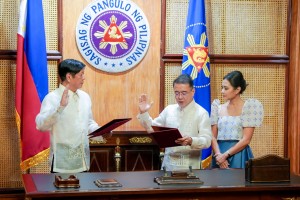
31, 82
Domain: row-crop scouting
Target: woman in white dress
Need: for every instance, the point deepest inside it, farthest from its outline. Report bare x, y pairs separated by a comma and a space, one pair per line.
233, 123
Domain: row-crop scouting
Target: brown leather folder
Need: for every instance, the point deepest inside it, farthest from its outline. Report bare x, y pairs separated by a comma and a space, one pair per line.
108, 127
165, 137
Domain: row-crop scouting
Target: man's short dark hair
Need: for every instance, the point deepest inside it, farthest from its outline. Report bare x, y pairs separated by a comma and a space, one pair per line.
184, 79
71, 66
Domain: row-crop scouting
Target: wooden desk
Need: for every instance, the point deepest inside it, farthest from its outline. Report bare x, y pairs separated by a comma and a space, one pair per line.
218, 184
125, 151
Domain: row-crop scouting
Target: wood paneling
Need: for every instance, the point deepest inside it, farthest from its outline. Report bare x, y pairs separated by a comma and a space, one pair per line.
294, 90
136, 151
102, 159
116, 95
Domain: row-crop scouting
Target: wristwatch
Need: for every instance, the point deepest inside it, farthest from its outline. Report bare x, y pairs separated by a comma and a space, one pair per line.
229, 155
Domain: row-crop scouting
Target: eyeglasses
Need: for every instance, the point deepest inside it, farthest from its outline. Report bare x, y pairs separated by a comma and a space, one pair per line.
184, 93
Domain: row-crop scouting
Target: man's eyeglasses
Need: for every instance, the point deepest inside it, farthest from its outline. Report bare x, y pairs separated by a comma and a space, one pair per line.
184, 93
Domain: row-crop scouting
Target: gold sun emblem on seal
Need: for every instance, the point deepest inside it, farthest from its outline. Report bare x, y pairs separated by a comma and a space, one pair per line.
197, 56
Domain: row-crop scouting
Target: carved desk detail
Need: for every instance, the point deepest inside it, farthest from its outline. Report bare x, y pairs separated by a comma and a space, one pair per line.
117, 155
140, 140
125, 151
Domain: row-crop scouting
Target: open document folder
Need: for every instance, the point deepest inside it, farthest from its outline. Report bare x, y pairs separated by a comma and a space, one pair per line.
108, 127
165, 137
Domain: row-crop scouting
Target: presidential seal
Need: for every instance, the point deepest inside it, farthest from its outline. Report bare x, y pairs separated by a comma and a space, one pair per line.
113, 35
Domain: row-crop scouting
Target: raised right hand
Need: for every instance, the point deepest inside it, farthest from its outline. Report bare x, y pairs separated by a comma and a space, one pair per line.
65, 97
144, 104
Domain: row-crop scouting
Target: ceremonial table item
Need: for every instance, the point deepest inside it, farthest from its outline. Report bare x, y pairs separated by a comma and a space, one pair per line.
70, 182
109, 182
268, 168
178, 177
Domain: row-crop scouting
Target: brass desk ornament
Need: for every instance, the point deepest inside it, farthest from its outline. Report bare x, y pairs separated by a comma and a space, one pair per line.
71, 182
178, 177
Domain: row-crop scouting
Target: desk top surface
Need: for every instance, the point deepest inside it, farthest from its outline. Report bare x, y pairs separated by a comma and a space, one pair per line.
143, 182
